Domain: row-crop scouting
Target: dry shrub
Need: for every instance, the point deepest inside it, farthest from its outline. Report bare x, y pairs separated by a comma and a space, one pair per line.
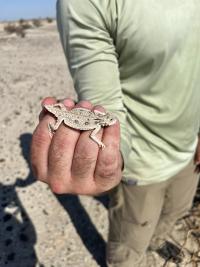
26, 26
37, 22
20, 32
10, 28
49, 20
21, 21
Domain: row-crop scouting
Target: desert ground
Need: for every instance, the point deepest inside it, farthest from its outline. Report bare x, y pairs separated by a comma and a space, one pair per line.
37, 227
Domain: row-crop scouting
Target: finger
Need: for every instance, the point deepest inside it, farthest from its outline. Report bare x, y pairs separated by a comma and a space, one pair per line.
108, 162
68, 102
86, 152
39, 148
41, 140
46, 101
61, 154
84, 104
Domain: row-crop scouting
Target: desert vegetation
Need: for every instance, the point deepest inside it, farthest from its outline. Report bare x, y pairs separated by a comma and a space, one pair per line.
12, 28
37, 22
20, 27
49, 20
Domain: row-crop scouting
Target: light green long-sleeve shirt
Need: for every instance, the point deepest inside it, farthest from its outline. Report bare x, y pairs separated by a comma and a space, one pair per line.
141, 60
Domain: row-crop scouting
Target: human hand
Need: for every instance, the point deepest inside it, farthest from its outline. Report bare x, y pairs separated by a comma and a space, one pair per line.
197, 157
70, 161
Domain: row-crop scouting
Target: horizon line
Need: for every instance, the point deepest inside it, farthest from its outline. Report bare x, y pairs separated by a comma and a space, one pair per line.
25, 19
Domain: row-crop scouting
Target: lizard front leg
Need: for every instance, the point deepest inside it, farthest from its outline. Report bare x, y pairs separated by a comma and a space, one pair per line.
61, 106
52, 128
97, 112
95, 139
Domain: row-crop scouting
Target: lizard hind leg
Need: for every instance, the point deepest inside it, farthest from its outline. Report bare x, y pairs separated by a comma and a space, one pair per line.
95, 139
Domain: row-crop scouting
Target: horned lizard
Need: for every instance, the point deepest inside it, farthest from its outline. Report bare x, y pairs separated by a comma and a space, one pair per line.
81, 119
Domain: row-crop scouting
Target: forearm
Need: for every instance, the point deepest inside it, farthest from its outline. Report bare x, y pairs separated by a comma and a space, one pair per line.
92, 60
99, 82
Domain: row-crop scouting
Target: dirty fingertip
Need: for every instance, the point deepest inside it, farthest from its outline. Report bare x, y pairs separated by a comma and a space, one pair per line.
84, 104
68, 102
48, 101
99, 108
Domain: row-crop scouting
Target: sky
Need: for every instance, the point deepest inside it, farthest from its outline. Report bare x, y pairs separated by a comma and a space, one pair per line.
17, 9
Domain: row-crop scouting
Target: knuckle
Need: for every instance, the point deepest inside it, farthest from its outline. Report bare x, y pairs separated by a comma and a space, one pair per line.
58, 148
57, 187
105, 183
83, 158
108, 167
109, 162
82, 164
107, 172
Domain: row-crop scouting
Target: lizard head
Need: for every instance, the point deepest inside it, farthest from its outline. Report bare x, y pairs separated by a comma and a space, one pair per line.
108, 119
55, 108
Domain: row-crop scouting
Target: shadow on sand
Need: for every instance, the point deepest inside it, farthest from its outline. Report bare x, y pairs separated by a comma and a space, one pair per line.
18, 236
17, 233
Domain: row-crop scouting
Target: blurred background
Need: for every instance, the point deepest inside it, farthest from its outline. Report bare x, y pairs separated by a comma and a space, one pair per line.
38, 228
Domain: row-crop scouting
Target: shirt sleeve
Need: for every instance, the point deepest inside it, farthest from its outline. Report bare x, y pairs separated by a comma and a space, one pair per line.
92, 59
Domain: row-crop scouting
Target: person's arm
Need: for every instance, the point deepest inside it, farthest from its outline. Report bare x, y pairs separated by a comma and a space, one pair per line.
85, 29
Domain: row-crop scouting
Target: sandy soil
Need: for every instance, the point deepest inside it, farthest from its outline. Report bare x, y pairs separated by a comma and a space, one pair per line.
38, 228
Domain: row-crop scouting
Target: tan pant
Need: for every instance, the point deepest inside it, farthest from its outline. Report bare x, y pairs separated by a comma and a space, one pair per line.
138, 213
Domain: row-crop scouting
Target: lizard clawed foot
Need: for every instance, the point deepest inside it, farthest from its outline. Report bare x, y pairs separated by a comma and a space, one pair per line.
51, 129
102, 146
